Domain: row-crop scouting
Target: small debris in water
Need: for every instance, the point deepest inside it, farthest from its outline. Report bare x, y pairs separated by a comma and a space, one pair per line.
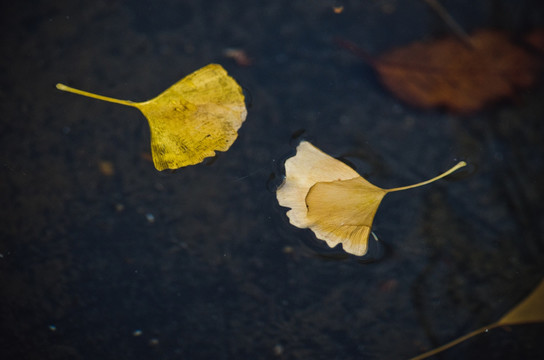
288, 249
150, 218
388, 286
52, 328
239, 56
278, 350
106, 168
137, 332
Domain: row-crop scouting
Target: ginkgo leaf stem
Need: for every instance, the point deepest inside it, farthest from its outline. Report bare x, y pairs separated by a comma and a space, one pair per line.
456, 341
459, 165
96, 96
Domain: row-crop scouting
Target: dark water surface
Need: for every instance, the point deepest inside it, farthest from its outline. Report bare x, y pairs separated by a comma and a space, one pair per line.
201, 263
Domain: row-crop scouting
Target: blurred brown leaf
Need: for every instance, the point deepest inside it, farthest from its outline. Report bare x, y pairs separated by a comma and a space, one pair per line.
535, 39
448, 73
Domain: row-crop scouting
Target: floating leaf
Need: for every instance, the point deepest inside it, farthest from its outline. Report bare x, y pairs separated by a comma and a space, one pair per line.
331, 199
530, 310
448, 73
195, 117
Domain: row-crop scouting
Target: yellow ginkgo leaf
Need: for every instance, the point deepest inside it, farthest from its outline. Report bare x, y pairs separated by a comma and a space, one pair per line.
331, 199
195, 117
529, 310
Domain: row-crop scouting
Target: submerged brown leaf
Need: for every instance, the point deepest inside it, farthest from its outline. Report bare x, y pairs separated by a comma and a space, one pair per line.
448, 73
331, 199
195, 117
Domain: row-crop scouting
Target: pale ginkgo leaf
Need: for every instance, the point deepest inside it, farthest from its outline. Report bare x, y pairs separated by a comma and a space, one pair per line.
331, 199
